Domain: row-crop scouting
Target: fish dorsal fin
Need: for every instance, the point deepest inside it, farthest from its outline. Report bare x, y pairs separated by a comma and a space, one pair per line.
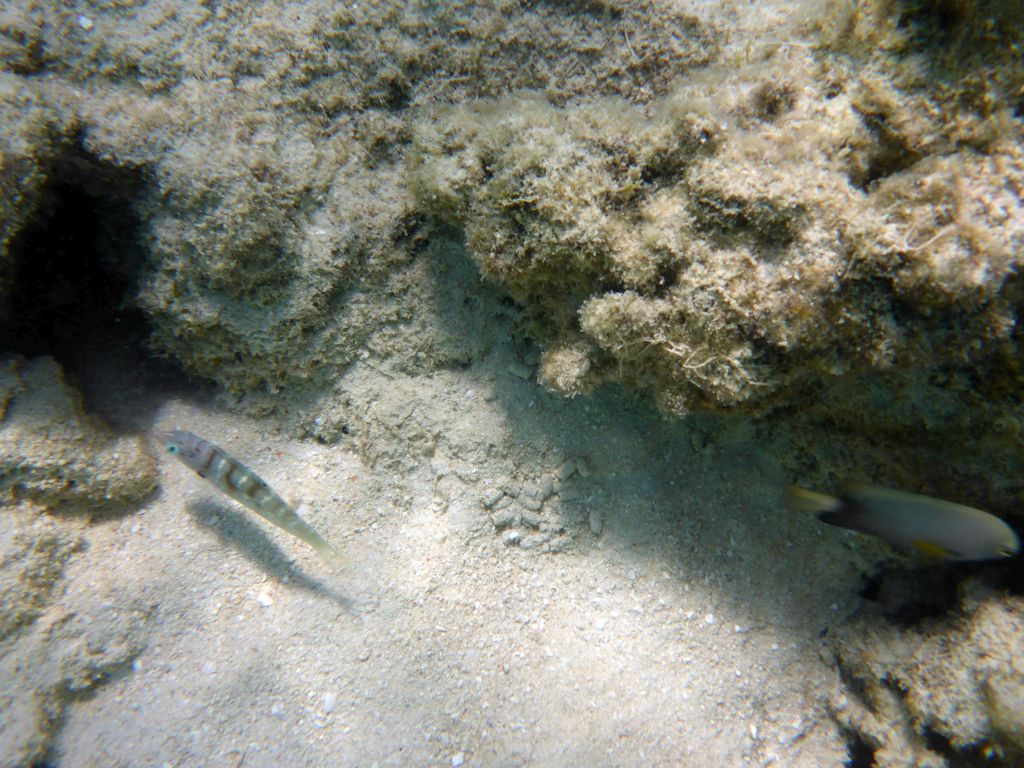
802, 500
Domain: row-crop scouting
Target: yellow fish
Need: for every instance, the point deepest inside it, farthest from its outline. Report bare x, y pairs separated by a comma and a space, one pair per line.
227, 473
931, 528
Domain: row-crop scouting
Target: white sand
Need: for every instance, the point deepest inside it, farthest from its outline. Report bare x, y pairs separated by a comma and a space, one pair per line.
687, 631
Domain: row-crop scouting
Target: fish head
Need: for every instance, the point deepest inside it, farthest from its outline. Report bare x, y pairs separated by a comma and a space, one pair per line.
1010, 545
179, 443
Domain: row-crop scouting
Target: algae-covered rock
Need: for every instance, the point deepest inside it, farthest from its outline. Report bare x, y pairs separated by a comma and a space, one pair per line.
34, 549
54, 646
52, 452
30, 137
723, 248
269, 141
61, 656
939, 687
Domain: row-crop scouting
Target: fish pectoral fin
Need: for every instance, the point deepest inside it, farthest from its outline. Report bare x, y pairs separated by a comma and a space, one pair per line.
929, 550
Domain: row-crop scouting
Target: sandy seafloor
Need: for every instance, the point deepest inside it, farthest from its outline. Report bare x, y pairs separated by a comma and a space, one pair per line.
681, 622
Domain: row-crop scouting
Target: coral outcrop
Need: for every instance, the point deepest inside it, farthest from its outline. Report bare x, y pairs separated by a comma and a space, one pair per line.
941, 687
50, 652
765, 228
53, 453
55, 458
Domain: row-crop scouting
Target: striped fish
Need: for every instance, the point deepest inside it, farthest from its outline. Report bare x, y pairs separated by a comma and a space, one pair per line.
227, 473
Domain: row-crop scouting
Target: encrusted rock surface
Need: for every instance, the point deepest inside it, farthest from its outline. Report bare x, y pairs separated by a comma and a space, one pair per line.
946, 685
51, 451
810, 213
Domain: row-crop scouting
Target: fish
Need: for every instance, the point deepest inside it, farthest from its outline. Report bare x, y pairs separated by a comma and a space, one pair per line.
931, 529
228, 474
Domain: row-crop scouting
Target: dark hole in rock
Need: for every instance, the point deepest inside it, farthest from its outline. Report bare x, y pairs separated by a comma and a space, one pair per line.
860, 754
972, 757
908, 596
76, 269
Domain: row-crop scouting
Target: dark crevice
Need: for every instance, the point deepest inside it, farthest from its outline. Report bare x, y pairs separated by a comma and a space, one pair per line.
906, 597
860, 754
76, 271
890, 155
971, 757
761, 221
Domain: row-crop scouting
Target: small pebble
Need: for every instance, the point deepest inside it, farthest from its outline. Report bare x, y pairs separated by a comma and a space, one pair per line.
583, 467
554, 523
520, 371
531, 502
709, 619
207, 668
492, 497
596, 521
85, 23
504, 518
531, 491
532, 519
546, 487
511, 538
458, 759
567, 470
569, 493
534, 540
264, 599
559, 544
329, 702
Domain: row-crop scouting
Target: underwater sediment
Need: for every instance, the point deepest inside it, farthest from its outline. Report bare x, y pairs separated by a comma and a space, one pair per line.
807, 219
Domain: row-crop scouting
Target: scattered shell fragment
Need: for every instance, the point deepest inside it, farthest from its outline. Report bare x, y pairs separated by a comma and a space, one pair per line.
531, 502
521, 371
532, 519
546, 486
583, 467
328, 702
569, 493
492, 497
504, 518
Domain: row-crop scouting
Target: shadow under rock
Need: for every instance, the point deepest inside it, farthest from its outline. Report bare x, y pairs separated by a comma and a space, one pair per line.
654, 488
235, 530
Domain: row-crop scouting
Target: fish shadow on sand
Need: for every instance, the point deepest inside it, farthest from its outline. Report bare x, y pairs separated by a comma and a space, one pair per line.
235, 530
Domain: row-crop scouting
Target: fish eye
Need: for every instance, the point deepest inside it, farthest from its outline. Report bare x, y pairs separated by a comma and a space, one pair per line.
172, 449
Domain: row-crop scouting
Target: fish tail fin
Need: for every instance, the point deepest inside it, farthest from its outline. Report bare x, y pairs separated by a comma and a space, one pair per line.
332, 556
801, 500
